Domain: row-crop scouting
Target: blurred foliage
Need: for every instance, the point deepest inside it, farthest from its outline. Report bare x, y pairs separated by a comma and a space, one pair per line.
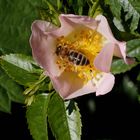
130, 88
23, 81
15, 23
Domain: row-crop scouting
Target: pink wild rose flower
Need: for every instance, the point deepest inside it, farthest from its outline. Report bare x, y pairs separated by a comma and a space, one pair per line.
77, 56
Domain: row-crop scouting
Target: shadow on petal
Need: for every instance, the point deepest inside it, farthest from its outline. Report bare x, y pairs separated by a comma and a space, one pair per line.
67, 83
104, 58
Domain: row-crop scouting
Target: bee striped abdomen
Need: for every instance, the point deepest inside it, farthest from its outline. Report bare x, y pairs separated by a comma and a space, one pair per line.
77, 58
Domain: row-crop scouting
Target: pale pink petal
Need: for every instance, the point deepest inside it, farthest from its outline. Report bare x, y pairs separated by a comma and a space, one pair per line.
104, 29
120, 47
104, 59
120, 51
66, 83
105, 84
69, 85
76, 20
43, 46
44, 26
70, 22
86, 89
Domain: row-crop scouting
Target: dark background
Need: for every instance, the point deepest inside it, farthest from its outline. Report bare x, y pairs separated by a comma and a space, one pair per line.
114, 116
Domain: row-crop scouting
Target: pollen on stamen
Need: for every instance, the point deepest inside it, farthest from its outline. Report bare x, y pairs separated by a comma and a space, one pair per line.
88, 42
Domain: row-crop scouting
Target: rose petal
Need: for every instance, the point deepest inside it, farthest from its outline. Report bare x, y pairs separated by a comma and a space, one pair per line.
106, 84
70, 22
76, 20
104, 29
66, 83
86, 89
120, 47
43, 46
104, 59
69, 85
120, 51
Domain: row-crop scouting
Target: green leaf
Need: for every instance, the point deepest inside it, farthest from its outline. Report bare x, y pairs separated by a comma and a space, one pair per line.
133, 48
14, 91
115, 7
37, 117
15, 23
130, 88
131, 9
136, 4
22, 61
118, 24
5, 103
118, 66
21, 68
64, 119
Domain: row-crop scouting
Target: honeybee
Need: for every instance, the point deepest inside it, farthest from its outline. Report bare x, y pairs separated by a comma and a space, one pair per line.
77, 58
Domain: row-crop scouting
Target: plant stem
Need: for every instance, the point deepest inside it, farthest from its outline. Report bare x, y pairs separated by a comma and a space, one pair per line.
93, 8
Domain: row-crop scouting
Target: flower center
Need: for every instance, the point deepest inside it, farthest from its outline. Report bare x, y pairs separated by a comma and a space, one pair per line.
76, 52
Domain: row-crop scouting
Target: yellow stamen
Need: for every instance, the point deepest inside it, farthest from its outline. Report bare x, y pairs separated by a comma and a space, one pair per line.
86, 41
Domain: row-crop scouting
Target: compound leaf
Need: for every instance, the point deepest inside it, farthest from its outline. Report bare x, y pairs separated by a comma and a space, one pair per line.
130, 7
64, 119
21, 68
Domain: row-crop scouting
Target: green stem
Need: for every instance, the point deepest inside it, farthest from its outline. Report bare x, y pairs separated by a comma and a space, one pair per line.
93, 8
33, 88
58, 4
50, 6
30, 92
53, 11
